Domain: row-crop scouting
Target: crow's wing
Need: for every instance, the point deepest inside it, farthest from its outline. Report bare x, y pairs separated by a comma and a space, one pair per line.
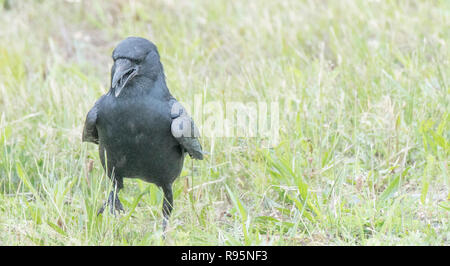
90, 133
185, 131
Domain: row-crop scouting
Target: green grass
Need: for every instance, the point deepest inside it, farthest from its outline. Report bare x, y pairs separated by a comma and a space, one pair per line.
363, 90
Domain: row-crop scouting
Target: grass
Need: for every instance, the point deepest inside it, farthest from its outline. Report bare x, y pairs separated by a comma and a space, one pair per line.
363, 90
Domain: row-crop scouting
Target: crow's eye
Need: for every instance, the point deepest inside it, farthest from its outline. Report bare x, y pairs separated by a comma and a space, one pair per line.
134, 60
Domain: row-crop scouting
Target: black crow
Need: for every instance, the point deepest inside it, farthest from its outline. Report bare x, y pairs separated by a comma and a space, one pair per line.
141, 129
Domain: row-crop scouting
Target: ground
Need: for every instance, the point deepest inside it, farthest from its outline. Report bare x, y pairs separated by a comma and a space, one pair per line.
362, 89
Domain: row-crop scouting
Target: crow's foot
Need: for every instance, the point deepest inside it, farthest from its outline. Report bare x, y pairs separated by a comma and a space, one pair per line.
114, 204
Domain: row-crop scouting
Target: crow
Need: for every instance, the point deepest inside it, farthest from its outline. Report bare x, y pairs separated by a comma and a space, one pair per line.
141, 130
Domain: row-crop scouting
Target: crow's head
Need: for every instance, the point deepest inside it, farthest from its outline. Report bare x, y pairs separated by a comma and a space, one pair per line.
134, 57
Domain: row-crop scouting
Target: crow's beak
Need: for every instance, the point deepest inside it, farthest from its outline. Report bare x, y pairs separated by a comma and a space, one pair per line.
124, 71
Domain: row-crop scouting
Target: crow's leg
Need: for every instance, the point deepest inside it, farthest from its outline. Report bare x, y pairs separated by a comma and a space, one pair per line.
167, 204
113, 199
